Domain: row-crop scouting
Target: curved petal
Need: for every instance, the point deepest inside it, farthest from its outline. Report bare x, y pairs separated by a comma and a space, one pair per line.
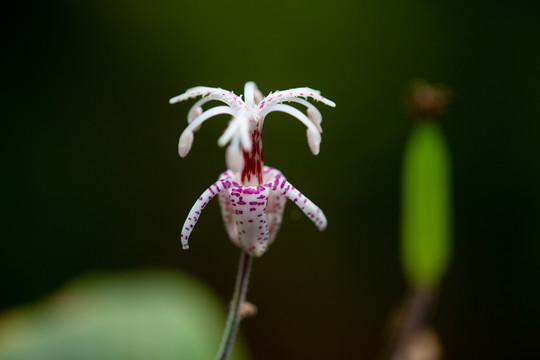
227, 97
199, 205
288, 95
311, 210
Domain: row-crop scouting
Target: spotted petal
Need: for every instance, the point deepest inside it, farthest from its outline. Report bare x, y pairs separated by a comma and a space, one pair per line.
197, 208
252, 214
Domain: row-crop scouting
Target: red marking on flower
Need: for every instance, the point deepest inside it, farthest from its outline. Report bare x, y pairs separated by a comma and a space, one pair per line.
253, 160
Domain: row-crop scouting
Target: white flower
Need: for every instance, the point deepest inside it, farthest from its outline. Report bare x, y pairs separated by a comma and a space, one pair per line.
248, 116
252, 196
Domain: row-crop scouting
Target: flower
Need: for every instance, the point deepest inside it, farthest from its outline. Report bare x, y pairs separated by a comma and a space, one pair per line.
252, 196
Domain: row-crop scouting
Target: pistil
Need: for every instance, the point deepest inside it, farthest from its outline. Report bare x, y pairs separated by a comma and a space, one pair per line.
252, 171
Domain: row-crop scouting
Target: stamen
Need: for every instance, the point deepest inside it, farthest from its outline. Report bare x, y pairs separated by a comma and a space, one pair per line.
218, 110
234, 157
258, 97
245, 137
197, 109
194, 112
314, 141
314, 137
250, 91
184, 145
229, 132
186, 139
238, 127
316, 118
312, 112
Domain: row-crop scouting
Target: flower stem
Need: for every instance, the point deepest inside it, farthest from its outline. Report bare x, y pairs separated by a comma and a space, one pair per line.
233, 320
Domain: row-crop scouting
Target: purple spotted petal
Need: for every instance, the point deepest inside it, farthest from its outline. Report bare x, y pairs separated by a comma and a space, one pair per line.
252, 214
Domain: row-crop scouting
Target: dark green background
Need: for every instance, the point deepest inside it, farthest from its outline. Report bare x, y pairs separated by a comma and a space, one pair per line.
91, 179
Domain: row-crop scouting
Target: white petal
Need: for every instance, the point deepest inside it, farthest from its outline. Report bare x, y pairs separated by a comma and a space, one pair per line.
288, 95
309, 208
249, 203
227, 97
199, 205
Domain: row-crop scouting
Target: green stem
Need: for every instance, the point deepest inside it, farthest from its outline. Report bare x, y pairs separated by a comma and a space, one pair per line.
231, 328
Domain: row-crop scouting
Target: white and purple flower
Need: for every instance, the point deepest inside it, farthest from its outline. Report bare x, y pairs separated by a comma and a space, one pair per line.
252, 196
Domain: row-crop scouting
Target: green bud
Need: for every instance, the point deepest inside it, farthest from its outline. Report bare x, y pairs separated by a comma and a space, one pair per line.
426, 208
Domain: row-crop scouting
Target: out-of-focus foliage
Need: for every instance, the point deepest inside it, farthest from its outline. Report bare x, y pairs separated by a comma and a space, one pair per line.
148, 315
426, 206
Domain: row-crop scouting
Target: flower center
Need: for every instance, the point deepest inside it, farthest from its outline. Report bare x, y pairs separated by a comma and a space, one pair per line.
252, 172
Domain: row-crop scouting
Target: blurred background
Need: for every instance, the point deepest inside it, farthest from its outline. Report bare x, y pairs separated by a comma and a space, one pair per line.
92, 181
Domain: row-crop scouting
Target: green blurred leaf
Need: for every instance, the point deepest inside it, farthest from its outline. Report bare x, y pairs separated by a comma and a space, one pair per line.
150, 315
426, 219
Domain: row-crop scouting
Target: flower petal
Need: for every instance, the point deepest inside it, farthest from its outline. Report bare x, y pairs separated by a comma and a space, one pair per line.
249, 204
197, 208
227, 97
311, 210
288, 95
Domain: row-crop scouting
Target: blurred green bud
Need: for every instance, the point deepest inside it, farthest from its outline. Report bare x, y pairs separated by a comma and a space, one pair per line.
426, 213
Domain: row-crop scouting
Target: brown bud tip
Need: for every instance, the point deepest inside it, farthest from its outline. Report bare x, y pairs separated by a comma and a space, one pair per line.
247, 309
424, 345
428, 101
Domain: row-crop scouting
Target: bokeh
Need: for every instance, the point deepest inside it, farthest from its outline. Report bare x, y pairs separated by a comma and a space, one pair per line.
92, 181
